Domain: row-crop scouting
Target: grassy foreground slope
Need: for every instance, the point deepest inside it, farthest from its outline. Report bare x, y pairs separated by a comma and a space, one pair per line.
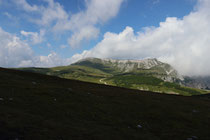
35, 106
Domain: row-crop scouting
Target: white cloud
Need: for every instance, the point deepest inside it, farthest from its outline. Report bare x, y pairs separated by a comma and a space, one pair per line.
16, 53
85, 33
47, 14
96, 12
49, 45
50, 60
8, 14
155, 2
53, 12
184, 43
27, 7
34, 37
83, 24
12, 50
63, 46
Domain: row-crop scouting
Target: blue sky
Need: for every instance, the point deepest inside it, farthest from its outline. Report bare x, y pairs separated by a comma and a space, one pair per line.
58, 32
134, 13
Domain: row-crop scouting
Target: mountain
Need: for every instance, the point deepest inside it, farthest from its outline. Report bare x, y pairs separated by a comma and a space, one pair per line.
197, 82
34, 106
151, 66
148, 74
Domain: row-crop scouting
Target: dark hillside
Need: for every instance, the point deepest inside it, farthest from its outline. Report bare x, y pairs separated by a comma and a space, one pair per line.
40, 107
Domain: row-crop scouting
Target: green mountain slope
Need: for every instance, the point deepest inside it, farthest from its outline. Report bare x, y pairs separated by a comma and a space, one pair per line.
35, 107
150, 83
149, 74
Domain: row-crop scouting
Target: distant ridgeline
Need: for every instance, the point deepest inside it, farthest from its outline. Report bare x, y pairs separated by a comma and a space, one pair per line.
147, 74
148, 66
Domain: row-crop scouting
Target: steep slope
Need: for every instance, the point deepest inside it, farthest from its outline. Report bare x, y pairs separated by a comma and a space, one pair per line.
35, 106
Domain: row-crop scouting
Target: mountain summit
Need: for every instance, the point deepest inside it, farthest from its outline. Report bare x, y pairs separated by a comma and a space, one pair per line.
125, 65
152, 66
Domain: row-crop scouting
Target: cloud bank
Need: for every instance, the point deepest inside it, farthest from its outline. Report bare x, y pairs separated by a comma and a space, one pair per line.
183, 43
83, 26
34, 37
12, 50
15, 52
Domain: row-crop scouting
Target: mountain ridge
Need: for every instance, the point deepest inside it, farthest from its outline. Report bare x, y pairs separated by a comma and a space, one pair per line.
130, 65
170, 74
148, 75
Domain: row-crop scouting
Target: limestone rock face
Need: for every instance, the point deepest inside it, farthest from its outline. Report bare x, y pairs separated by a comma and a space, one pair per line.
159, 69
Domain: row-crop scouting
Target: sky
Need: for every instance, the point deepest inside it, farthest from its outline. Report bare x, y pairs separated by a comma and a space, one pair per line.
47, 33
